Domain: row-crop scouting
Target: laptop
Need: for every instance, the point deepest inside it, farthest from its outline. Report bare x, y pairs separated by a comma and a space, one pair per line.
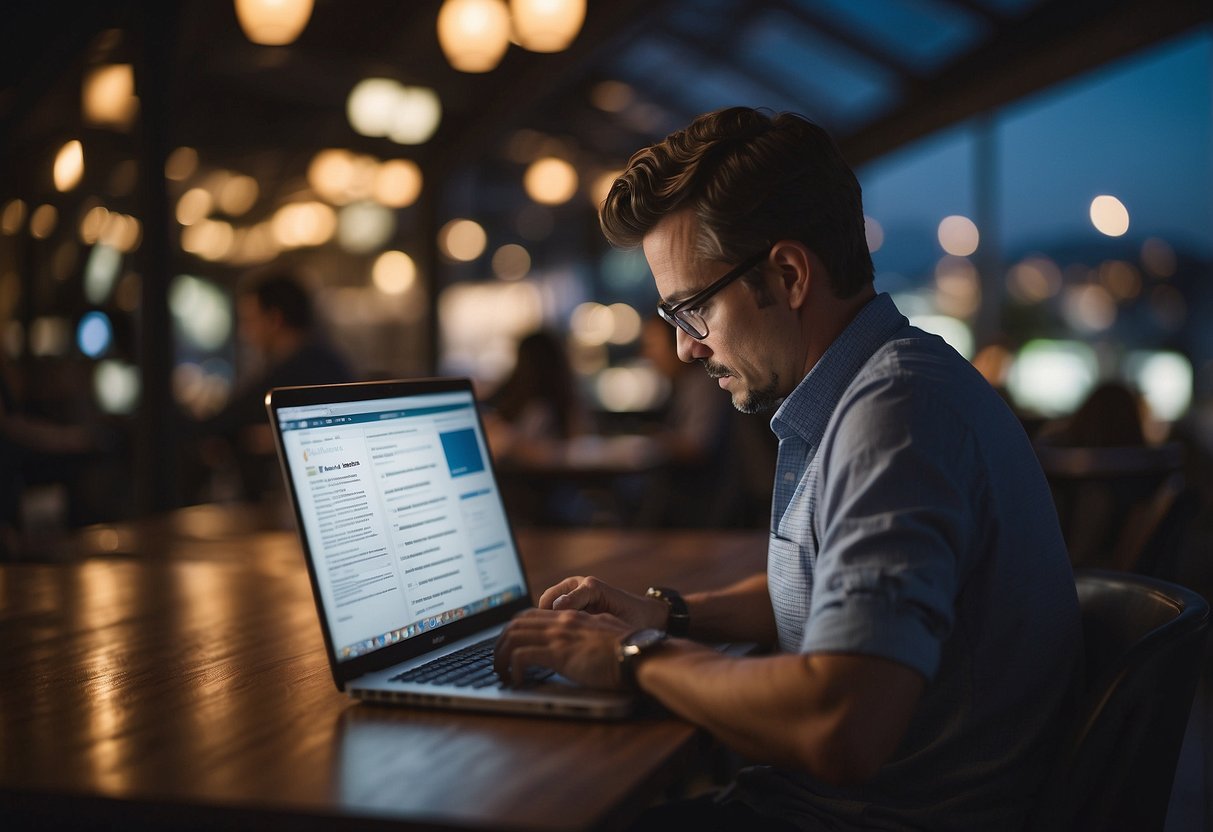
412, 559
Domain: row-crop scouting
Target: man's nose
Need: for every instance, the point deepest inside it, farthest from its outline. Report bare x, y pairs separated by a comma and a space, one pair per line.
689, 349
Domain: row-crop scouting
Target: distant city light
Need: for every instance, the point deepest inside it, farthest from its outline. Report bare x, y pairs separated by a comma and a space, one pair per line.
1052, 378
1165, 381
1158, 257
1088, 308
94, 334
957, 286
1034, 279
958, 235
955, 332
1109, 216
874, 233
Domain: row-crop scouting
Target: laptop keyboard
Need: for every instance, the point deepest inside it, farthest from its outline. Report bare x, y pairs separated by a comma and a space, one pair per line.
471, 667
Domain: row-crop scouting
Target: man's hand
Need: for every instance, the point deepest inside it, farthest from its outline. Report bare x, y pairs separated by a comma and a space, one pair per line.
595, 596
577, 645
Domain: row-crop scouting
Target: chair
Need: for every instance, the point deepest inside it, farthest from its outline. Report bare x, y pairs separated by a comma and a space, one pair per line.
1145, 641
1113, 502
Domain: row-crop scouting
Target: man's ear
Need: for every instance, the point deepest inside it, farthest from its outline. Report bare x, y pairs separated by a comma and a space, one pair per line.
797, 267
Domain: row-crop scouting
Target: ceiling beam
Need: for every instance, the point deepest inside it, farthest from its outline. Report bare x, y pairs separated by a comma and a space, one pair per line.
822, 24
1058, 40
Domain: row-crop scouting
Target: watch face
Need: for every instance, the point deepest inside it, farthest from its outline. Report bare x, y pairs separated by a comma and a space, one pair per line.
644, 639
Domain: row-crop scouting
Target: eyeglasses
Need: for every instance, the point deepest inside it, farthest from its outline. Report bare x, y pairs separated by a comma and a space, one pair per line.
687, 314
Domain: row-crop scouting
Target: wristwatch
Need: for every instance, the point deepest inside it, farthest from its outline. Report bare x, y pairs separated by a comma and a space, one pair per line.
679, 622
634, 645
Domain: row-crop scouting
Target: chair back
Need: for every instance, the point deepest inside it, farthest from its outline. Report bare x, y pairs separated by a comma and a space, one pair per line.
1113, 502
1144, 650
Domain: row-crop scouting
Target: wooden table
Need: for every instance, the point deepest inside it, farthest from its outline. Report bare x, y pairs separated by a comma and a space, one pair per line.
171, 674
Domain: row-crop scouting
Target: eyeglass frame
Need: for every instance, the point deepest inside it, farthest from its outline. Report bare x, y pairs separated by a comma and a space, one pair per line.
670, 314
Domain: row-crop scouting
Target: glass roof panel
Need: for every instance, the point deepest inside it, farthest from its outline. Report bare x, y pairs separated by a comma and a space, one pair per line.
679, 77
1013, 7
924, 34
833, 84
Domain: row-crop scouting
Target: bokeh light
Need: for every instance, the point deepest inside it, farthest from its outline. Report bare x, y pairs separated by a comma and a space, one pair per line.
1109, 216
873, 232
462, 239
201, 312
511, 262
958, 235
69, 165
1051, 378
94, 334
116, 386
394, 272
550, 181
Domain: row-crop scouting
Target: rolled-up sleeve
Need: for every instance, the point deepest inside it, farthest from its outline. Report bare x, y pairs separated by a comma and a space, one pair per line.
899, 479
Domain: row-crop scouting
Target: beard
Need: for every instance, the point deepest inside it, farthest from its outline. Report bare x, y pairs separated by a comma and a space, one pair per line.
755, 400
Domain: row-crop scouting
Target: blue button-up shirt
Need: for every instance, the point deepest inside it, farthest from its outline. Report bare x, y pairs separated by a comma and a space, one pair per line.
911, 521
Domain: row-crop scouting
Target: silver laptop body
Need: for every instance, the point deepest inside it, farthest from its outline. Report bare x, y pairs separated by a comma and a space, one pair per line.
409, 550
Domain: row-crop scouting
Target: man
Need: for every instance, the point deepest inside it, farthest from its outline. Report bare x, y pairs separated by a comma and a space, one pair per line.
917, 584
276, 322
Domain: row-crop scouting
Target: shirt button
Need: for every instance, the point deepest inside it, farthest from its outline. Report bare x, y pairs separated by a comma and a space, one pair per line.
789, 476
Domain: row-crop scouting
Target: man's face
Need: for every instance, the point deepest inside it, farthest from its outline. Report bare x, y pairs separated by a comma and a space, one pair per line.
741, 347
254, 325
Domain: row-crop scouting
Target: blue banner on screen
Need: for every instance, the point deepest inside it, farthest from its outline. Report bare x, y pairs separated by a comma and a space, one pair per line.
462, 452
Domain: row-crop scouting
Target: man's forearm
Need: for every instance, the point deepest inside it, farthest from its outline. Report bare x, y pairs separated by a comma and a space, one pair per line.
740, 612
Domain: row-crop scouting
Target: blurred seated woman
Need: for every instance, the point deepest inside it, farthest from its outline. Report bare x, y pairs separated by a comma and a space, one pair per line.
1105, 502
537, 408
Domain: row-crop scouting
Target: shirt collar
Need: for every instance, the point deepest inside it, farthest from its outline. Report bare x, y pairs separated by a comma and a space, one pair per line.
807, 409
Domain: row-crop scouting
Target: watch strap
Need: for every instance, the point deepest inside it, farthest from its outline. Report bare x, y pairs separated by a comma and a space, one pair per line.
631, 647
678, 623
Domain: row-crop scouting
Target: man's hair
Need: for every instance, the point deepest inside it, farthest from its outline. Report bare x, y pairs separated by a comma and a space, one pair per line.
282, 291
751, 178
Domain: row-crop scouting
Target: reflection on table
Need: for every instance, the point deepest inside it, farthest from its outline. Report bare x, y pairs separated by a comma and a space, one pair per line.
172, 673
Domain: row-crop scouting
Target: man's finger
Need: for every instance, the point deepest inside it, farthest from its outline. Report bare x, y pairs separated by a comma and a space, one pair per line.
552, 593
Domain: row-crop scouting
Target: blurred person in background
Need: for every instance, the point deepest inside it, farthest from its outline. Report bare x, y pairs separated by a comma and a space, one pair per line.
530, 421
716, 460
282, 346
538, 406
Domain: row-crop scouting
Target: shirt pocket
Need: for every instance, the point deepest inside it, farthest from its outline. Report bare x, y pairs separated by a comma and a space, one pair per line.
790, 583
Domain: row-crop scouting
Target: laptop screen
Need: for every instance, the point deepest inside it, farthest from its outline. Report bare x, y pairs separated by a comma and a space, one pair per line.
400, 514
